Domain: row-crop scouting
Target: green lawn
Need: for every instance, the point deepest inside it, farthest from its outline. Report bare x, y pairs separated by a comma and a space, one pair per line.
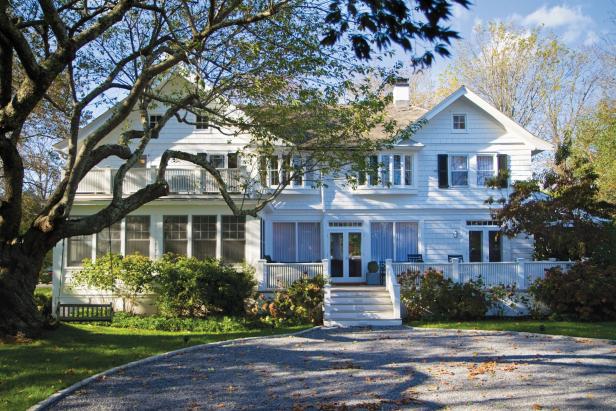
574, 329
31, 371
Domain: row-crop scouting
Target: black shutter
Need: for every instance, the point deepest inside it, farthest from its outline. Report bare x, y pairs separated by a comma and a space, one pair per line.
443, 172
503, 170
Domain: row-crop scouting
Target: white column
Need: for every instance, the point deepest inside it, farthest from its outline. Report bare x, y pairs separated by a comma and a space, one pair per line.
189, 250
260, 274
219, 236
455, 270
520, 273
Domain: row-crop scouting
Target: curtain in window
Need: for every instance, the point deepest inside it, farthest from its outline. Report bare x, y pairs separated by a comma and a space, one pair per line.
485, 169
406, 240
103, 240
309, 242
78, 249
382, 241
283, 242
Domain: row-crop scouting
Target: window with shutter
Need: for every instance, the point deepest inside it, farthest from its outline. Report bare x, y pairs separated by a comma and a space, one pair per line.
503, 170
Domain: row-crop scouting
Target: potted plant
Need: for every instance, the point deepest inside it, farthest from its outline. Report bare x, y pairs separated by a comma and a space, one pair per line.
373, 273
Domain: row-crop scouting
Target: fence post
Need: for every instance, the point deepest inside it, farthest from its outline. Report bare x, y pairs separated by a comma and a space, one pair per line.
520, 273
327, 290
455, 270
109, 189
261, 274
325, 263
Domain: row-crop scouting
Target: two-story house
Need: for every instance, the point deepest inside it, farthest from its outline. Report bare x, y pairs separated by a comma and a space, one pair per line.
429, 202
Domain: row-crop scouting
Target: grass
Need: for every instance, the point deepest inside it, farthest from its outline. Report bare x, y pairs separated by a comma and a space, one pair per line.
30, 371
605, 329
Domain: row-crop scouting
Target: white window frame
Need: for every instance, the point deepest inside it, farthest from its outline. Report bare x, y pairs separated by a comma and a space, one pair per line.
292, 184
494, 166
391, 169
208, 129
451, 170
459, 130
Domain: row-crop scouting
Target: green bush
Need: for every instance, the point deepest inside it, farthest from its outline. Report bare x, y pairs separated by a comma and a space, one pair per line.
301, 303
214, 324
190, 287
126, 277
586, 292
430, 296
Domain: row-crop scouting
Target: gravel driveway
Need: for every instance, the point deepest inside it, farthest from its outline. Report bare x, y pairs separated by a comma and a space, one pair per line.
333, 369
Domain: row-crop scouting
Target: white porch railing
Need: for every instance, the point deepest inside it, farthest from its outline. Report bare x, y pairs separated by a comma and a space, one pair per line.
181, 180
520, 273
281, 275
392, 286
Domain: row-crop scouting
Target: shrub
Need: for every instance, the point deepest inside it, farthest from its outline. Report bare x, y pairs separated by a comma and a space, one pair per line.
161, 323
126, 277
301, 303
430, 296
191, 287
586, 292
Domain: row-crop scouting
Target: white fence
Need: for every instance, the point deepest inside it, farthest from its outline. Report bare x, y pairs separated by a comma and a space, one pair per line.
281, 275
521, 273
181, 180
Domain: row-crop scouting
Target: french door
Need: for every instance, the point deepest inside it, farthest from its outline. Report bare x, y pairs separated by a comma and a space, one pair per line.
345, 256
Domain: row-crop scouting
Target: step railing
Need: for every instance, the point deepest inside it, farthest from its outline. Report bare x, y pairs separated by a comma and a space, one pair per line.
392, 286
276, 276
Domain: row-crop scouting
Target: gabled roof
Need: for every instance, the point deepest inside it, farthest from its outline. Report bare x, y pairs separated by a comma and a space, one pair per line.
535, 143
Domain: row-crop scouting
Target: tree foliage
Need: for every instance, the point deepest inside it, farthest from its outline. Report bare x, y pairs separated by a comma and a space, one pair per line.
243, 61
562, 211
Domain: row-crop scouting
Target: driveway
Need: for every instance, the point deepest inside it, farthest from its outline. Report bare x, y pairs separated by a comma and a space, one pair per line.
331, 369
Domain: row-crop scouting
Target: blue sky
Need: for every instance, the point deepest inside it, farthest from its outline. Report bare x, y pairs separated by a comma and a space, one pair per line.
577, 23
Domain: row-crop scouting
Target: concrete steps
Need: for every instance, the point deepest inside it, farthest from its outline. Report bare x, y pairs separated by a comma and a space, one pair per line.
359, 306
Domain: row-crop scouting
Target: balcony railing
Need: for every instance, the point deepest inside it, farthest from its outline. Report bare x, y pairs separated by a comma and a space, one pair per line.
181, 180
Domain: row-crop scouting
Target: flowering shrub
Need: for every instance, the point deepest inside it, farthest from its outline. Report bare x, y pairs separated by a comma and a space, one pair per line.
430, 296
586, 292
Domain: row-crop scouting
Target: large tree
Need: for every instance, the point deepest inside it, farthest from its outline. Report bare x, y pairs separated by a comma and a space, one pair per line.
286, 64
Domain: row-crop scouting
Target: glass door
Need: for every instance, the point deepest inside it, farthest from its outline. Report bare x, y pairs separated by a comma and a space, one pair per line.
475, 244
354, 254
336, 251
345, 255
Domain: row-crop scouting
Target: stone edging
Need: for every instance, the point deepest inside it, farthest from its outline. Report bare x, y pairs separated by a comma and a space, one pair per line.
54, 398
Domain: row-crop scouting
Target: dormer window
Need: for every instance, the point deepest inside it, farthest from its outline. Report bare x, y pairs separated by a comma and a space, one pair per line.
154, 120
202, 123
459, 122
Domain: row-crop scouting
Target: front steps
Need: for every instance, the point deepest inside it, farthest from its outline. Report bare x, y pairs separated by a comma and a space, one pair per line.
359, 306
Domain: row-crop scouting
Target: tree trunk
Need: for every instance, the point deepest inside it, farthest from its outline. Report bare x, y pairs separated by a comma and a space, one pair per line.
18, 278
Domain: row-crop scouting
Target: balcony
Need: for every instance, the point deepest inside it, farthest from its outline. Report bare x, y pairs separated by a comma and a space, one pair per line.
181, 180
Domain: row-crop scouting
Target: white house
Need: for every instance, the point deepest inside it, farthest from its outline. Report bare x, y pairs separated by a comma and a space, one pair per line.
433, 209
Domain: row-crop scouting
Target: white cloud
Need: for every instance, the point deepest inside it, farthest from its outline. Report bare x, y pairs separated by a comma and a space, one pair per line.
569, 21
591, 38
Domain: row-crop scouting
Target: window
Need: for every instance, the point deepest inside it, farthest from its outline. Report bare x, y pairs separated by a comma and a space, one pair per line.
78, 249
485, 169
393, 169
154, 120
495, 246
385, 169
397, 170
475, 244
408, 170
202, 123
217, 160
297, 172
459, 170
481, 222
296, 242
284, 241
459, 121
204, 236
233, 238
345, 223
175, 234
395, 240
272, 171
109, 240
138, 235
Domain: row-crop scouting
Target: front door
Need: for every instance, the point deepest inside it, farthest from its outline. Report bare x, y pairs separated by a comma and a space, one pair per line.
345, 256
